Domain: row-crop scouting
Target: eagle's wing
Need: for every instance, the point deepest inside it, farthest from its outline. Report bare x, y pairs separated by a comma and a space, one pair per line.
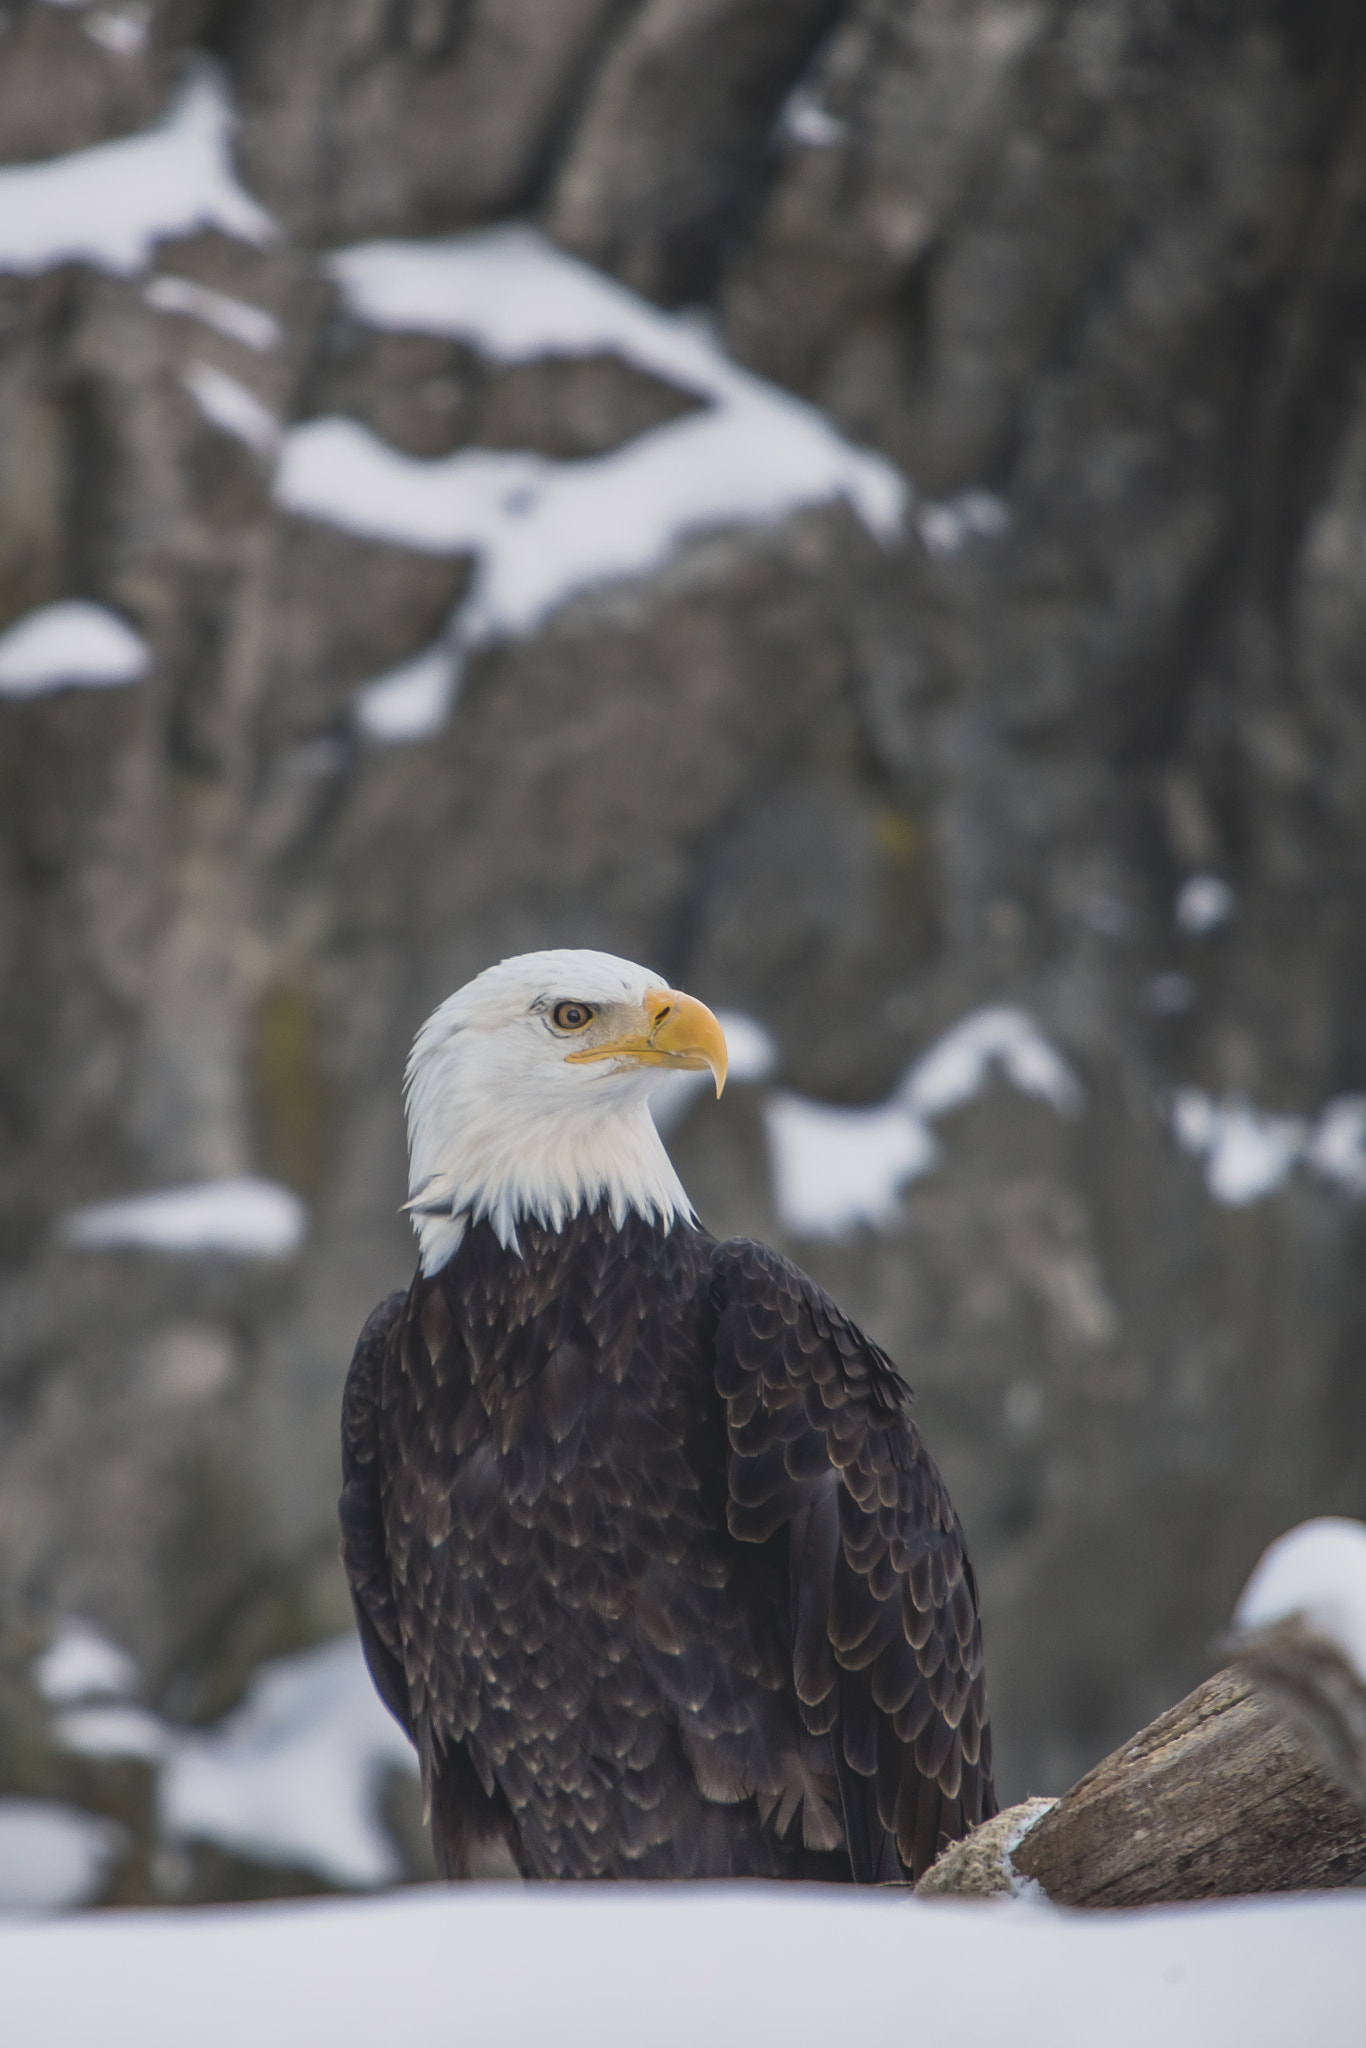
469, 1829
886, 1642
363, 1551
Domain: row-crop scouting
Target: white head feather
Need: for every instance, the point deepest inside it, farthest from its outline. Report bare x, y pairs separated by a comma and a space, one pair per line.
503, 1123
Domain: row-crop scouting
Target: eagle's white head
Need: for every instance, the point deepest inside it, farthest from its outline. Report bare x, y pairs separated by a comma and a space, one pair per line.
528, 1092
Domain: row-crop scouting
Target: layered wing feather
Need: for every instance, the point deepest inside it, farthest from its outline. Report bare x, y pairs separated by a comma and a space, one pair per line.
363, 1549
886, 1640
470, 1834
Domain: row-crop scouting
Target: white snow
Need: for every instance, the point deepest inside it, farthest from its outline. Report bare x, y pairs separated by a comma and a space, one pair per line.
956, 1067
835, 1169
805, 124
53, 1857
109, 206
120, 30
106, 1731
515, 297
231, 407
252, 325
1249, 1154
1021, 1887
413, 700
70, 645
80, 1664
1337, 1144
948, 526
1203, 903
615, 1966
337, 470
249, 1218
542, 531
291, 1776
1318, 1573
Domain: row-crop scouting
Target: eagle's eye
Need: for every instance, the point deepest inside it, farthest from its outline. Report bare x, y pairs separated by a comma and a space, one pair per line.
572, 1016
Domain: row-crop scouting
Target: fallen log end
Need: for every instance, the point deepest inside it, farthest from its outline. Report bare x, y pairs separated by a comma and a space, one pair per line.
1217, 1798
980, 1867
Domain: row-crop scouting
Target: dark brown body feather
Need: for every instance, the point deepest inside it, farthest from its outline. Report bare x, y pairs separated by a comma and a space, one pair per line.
651, 1563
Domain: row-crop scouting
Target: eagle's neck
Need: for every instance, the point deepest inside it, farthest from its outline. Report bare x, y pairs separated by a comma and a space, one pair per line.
478, 1158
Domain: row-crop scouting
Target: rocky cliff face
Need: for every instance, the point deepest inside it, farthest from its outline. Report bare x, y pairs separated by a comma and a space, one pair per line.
1084, 737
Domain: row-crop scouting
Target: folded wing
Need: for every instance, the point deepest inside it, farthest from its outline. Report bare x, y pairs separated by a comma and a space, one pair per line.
886, 1640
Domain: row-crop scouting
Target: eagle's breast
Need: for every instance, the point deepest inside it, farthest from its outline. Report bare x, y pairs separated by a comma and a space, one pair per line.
555, 1514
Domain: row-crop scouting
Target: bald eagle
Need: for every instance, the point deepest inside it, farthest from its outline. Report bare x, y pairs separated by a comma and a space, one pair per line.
646, 1553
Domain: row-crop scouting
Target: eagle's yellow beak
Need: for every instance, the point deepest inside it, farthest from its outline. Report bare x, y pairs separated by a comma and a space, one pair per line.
675, 1031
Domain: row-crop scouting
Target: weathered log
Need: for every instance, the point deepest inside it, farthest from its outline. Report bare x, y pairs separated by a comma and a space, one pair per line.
1317, 1691
1215, 1798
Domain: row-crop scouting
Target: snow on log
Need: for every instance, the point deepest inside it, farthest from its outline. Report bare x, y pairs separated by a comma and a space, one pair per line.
1300, 1635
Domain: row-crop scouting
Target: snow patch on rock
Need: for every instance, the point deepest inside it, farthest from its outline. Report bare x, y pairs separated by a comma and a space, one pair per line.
947, 527
244, 1217
1336, 1147
232, 408
1249, 1154
122, 31
956, 1068
836, 1169
238, 319
70, 645
109, 206
52, 1856
1203, 904
413, 700
81, 1664
291, 1776
804, 123
541, 532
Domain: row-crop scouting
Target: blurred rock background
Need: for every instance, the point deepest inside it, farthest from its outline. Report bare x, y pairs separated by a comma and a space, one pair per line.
1093, 276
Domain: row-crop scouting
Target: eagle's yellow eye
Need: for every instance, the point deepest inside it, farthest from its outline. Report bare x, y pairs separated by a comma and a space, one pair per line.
572, 1016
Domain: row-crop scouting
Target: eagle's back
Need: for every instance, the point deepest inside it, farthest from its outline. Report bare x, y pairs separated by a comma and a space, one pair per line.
585, 1543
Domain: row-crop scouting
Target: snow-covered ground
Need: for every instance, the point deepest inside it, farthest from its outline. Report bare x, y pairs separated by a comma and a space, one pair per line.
699, 1967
